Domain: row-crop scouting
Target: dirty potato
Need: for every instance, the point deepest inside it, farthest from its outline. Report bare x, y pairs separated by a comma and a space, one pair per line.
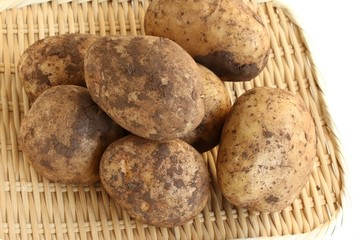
225, 36
52, 61
267, 150
161, 183
64, 135
217, 106
148, 85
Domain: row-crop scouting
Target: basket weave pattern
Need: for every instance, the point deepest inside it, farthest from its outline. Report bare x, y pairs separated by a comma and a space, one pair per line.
31, 207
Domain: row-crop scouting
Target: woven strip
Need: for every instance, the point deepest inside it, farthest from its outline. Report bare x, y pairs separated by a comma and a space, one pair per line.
31, 207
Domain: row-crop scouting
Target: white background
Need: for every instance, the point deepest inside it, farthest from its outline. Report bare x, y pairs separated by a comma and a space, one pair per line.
333, 29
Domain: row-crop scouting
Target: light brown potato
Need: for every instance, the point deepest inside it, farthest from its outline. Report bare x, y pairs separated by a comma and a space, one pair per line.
52, 61
161, 183
267, 150
225, 36
64, 135
217, 106
148, 85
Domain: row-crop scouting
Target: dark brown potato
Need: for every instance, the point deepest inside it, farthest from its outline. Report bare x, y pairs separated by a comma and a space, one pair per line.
161, 183
267, 150
217, 106
148, 85
225, 36
64, 135
52, 61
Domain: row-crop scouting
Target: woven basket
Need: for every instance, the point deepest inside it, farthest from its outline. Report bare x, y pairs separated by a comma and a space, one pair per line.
31, 207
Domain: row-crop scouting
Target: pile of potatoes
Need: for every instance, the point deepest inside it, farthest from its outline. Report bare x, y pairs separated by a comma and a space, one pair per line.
136, 112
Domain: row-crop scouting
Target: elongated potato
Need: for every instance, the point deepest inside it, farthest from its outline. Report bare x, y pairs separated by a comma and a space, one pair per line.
52, 61
267, 150
226, 36
162, 183
217, 106
148, 85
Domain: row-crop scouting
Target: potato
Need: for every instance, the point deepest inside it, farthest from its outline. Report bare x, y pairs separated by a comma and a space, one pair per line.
161, 183
52, 61
267, 150
64, 135
148, 85
225, 36
217, 105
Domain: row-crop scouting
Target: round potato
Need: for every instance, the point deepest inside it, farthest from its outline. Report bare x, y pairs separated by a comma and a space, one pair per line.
64, 135
148, 85
52, 61
225, 36
161, 183
217, 106
267, 150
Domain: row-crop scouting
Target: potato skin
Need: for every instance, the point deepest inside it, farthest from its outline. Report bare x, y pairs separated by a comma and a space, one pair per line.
52, 61
161, 183
267, 150
64, 135
225, 36
148, 85
217, 106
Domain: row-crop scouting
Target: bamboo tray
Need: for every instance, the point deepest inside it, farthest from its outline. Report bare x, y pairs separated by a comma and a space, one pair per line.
31, 207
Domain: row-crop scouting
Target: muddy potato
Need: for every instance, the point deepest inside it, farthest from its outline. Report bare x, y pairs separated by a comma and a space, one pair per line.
161, 183
217, 106
267, 150
52, 61
64, 135
225, 36
148, 85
